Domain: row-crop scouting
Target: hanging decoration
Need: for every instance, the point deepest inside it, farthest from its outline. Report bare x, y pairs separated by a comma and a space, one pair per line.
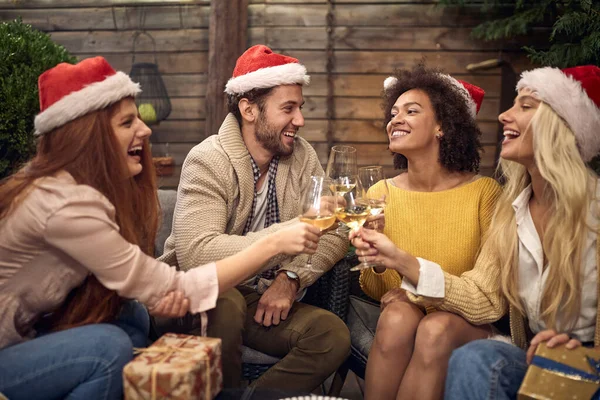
153, 103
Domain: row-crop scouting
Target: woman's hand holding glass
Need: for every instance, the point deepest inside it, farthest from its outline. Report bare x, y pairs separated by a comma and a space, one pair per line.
373, 182
372, 191
298, 238
375, 247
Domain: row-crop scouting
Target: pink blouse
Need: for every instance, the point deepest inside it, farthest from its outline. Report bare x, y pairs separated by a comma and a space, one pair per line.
60, 233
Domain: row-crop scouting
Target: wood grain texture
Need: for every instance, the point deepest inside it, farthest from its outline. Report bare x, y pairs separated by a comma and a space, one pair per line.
369, 14
228, 37
384, 38
18, 4
179, 131
183, 16
176, 40
371, 85
168, 63
385, 62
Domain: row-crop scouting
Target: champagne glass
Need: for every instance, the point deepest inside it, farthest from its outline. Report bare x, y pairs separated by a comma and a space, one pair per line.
342, 171
375, 193
352, 208
318, 207
372, 181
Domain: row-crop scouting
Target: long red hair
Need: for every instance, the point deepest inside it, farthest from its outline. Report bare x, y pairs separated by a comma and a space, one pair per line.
88, 149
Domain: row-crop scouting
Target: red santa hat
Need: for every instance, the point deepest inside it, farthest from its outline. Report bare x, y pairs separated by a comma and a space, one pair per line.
69, 91
472, 94
260, 68
574, 94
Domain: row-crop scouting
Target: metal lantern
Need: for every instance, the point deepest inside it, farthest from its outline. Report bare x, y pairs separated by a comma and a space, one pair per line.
153, 103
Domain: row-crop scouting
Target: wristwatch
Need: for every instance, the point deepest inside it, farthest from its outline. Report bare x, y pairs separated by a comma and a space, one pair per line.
291, 275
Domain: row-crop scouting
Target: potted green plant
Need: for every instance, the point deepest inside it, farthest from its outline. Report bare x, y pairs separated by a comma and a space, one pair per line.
25, 53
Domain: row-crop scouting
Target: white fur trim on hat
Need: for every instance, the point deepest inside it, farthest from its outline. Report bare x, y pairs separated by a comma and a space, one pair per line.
389, 82
501, 338
568, 99
285, 74
465, 93
92, 97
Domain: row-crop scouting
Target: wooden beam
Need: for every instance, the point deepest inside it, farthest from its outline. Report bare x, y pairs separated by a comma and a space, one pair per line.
168, 63
227, 39
93, 3
94, 41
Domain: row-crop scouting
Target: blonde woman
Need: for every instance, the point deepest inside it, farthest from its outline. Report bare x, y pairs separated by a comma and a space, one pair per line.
541, 258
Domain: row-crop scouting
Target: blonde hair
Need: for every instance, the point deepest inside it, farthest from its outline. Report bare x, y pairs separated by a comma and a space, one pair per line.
569, 189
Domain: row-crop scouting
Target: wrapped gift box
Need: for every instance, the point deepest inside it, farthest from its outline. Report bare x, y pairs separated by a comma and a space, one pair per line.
175, 367
560, 373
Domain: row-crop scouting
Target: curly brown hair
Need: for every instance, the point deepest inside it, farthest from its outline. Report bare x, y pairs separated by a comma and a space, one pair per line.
460, 145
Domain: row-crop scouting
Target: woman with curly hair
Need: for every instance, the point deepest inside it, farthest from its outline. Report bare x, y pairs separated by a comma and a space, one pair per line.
540, 259
439, 209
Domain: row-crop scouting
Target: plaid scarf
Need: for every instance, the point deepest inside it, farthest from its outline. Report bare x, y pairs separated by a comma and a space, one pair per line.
272, 216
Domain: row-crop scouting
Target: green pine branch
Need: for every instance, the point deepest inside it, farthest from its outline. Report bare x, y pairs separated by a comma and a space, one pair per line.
505, 28
574, 38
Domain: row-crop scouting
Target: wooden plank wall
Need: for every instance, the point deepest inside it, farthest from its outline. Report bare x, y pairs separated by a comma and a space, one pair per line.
372, 38
89, 28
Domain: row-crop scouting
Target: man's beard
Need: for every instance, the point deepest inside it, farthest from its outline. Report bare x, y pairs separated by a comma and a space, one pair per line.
270, 138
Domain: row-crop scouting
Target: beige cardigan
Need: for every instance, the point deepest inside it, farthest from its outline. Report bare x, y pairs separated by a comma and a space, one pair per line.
477, 297
214, 200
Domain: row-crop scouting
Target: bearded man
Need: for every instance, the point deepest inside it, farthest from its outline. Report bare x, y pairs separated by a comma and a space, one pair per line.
240, 185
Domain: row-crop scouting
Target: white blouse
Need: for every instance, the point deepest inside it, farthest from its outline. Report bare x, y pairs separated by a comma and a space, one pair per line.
532, 276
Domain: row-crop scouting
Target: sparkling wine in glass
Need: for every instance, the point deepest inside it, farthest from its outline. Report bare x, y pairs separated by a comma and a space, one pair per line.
352, 208
375, 193
373, 183
342, 173
318, 207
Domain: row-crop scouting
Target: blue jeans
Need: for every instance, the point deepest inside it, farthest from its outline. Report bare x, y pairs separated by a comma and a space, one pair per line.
485, 369
79, 363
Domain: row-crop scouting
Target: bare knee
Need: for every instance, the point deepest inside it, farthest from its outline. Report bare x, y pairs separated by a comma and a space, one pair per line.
437, 336
396, 328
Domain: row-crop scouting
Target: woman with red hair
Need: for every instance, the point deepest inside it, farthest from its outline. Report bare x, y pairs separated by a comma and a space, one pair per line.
77, 225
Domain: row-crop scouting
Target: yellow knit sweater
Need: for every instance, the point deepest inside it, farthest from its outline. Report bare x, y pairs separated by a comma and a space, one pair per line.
445, 227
